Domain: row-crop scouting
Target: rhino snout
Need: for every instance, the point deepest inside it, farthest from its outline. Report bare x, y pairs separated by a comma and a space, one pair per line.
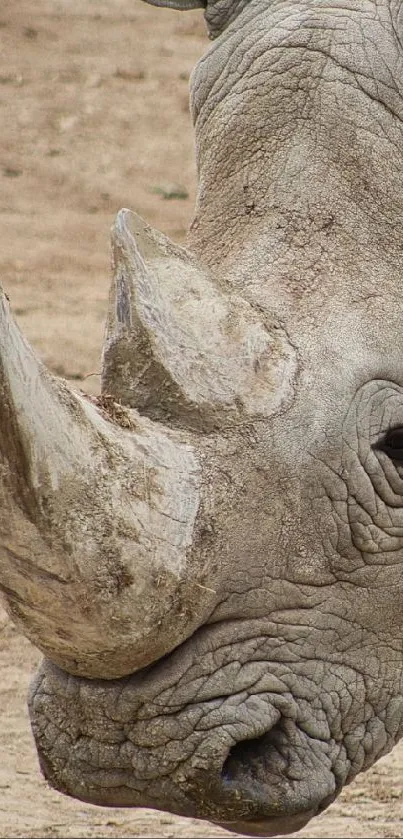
110, 743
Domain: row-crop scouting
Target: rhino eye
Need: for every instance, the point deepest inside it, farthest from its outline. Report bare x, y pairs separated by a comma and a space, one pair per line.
392, 444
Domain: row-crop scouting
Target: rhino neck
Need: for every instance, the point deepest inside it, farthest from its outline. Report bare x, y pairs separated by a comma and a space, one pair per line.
300, 115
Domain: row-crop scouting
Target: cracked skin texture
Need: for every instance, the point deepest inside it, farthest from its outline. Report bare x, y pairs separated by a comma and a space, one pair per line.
294, 684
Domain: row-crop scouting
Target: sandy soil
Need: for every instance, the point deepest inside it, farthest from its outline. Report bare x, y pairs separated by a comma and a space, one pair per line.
94, 117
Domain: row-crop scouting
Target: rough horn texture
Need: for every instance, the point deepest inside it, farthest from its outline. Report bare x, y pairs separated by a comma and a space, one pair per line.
178, 4
181, 350
99, 555
104, 564
294, 682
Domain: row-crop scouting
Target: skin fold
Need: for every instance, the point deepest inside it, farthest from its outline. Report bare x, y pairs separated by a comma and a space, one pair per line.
285, 680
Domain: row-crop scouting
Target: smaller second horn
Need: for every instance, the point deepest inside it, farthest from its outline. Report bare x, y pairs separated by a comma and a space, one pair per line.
179, 349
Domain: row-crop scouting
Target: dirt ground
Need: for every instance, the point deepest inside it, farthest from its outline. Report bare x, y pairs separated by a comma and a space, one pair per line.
94, 100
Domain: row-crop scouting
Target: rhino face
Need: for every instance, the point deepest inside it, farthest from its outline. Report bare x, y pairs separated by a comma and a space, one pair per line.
211, 555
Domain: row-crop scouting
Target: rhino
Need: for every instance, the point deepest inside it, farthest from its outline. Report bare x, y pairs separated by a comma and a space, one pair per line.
210, 553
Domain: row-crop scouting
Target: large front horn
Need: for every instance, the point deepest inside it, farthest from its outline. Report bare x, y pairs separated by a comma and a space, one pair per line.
99, 561
104, 512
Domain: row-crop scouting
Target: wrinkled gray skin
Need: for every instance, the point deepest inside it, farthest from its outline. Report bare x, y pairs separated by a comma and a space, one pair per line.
293, 682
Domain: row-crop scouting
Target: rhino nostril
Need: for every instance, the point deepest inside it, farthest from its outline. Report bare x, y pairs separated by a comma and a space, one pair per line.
247, 757
283, 774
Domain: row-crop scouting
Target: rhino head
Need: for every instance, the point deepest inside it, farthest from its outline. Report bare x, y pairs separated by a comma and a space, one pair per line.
210, 555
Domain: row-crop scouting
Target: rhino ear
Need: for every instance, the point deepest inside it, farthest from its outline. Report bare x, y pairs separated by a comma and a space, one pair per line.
178, 4
179, 348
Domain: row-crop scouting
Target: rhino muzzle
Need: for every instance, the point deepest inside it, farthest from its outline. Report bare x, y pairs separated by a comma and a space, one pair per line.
248, 785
